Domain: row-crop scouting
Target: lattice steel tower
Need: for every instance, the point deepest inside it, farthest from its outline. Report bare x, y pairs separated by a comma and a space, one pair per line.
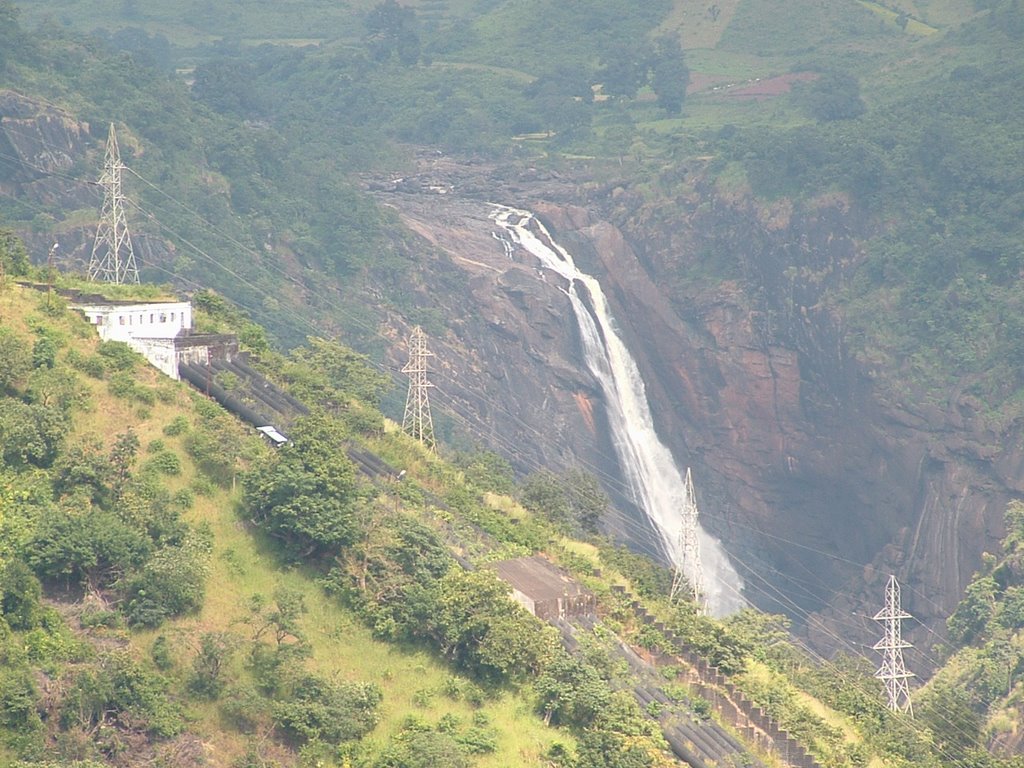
688, 566
113, 258
417, 422
893, 672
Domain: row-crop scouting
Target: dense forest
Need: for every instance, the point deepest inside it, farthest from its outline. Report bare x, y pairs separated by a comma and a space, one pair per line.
174, 592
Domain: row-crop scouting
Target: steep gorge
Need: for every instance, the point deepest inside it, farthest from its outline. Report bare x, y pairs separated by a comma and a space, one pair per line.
819, 482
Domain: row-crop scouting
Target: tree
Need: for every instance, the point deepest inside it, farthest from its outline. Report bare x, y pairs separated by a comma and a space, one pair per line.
571, 692
305, 493
948, 712
122, 458
574, 499
329, 374
226, 86
391, 31
834, 96
475, 623
118, 689
971, 616
282, 618
315, 709
608, 749
30, 433
624, 69
15, 359
20, 595
11, 41
215, 649
96, 547
669, 74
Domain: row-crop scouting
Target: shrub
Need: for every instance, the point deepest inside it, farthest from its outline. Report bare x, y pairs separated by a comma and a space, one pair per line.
172, 582
118, 355
122, 384
177, 426
91, 365
244, 708
161, 653
165, 463
44, 352
318, 709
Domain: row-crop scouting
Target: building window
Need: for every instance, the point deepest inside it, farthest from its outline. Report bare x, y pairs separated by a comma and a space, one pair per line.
163, 317
121, 318
151, 317
172, 317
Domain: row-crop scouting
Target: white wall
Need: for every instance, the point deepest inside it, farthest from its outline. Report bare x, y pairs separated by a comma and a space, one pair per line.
160, 353
123, 322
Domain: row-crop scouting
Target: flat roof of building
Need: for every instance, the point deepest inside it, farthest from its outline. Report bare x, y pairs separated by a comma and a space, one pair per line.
539, 578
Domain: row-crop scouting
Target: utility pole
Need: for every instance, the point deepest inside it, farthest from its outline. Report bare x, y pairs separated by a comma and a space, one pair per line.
113, 258
688, 566
417, 422
49, 273
893, 672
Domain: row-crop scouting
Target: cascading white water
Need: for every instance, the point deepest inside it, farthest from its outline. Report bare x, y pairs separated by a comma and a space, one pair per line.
654, 479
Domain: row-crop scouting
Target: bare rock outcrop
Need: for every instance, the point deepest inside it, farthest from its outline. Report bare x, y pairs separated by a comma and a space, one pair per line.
818, 485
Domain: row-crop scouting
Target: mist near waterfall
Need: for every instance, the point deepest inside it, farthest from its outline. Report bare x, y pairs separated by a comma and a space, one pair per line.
655, 481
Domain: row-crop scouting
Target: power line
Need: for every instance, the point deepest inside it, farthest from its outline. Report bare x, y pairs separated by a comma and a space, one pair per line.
893, 672
457, 416
688, 564
417, 422
113, 257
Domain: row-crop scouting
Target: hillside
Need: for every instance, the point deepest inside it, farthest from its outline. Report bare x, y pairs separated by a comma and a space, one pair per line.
807, 219
91, 621
163, 600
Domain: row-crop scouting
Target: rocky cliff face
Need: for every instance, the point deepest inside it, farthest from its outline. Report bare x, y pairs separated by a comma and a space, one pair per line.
39, 146
44, 155
818, 484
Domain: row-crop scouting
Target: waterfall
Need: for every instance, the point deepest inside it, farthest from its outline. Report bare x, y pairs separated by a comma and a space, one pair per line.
655, 482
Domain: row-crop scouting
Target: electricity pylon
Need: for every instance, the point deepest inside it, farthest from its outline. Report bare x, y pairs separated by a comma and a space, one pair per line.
113, 258
893, 672
688, 550
417, 422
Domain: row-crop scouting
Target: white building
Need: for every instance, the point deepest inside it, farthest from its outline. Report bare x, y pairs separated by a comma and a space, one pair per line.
124, 322
160, 331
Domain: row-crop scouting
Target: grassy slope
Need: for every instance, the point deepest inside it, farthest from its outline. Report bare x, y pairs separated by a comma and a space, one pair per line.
412, 681
342, 647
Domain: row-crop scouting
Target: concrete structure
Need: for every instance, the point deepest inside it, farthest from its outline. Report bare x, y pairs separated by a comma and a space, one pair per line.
125, 321
544, 589
159, 331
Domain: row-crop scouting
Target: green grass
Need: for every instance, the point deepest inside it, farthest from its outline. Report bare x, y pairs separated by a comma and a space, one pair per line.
345, 649
192, 22
914, 26
412, 679
733, 65
797, 27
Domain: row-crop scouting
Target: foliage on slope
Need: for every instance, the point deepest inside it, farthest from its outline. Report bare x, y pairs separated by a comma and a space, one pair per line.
975, 700
936, 161
107, 547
